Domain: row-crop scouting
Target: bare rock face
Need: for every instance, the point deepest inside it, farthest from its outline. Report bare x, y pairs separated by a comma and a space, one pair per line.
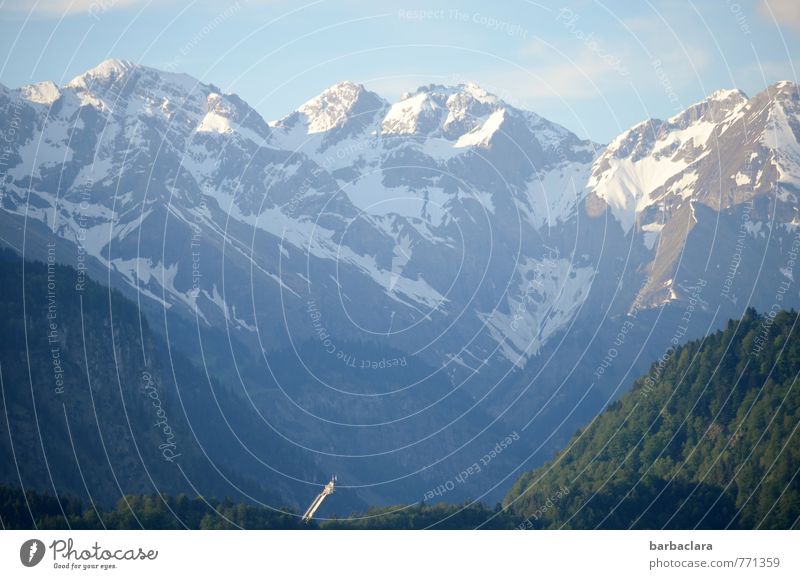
412, 202
478, 239
724, 153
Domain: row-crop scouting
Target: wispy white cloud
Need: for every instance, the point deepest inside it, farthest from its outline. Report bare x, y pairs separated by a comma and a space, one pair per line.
61, 8
765, 72
785, 12
581, 78
583, 68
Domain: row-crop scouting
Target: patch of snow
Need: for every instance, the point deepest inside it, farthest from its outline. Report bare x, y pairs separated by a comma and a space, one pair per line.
107, 69
480, 136
754, 228
628, 185
552, 197
779, 136
439, 148
651, 233
403, 117
331, 108
369, 194
685, 185
541, 306
213, 122
43, 93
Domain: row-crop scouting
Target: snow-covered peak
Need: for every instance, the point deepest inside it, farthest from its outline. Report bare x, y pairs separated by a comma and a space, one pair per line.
442, 92
781, 134
218, 117
335, 106
228, 114
438, 110
342, 94
411, 115
784, 90
693, 123
726, 94
44, 93
114, 79
633, 141
654, 158
107, 71
714, 108
141, 96
478, 92
667, 162
783, 85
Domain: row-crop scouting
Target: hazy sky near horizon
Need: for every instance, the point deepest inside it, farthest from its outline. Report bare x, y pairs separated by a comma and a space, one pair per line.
595, 67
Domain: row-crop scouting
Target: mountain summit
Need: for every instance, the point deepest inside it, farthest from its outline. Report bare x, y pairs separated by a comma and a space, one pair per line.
406, 173
448, 229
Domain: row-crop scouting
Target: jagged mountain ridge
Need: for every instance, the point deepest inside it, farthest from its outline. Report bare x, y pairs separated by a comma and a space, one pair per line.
158, 154
725, 152
498, 248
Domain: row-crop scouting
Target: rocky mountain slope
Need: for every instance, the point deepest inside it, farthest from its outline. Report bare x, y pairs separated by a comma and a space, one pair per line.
522, 272
93, 404
429, 209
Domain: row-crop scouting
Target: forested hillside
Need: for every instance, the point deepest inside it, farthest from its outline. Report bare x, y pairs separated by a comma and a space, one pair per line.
706, 439
184, 512
33, 509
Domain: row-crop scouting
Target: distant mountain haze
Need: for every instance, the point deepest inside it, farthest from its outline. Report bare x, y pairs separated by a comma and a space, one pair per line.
392, 288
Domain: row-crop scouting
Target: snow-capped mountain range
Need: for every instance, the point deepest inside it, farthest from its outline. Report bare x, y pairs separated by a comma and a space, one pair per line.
448, 226
439, 207
448, 211
429, 209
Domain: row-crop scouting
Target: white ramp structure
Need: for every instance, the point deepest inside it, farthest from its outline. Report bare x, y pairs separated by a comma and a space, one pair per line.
315, 504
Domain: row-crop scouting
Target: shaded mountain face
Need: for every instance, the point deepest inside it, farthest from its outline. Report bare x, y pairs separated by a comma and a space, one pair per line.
95, 405
490, 249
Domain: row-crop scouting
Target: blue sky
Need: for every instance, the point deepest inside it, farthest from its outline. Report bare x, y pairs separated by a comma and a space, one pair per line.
595, 67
